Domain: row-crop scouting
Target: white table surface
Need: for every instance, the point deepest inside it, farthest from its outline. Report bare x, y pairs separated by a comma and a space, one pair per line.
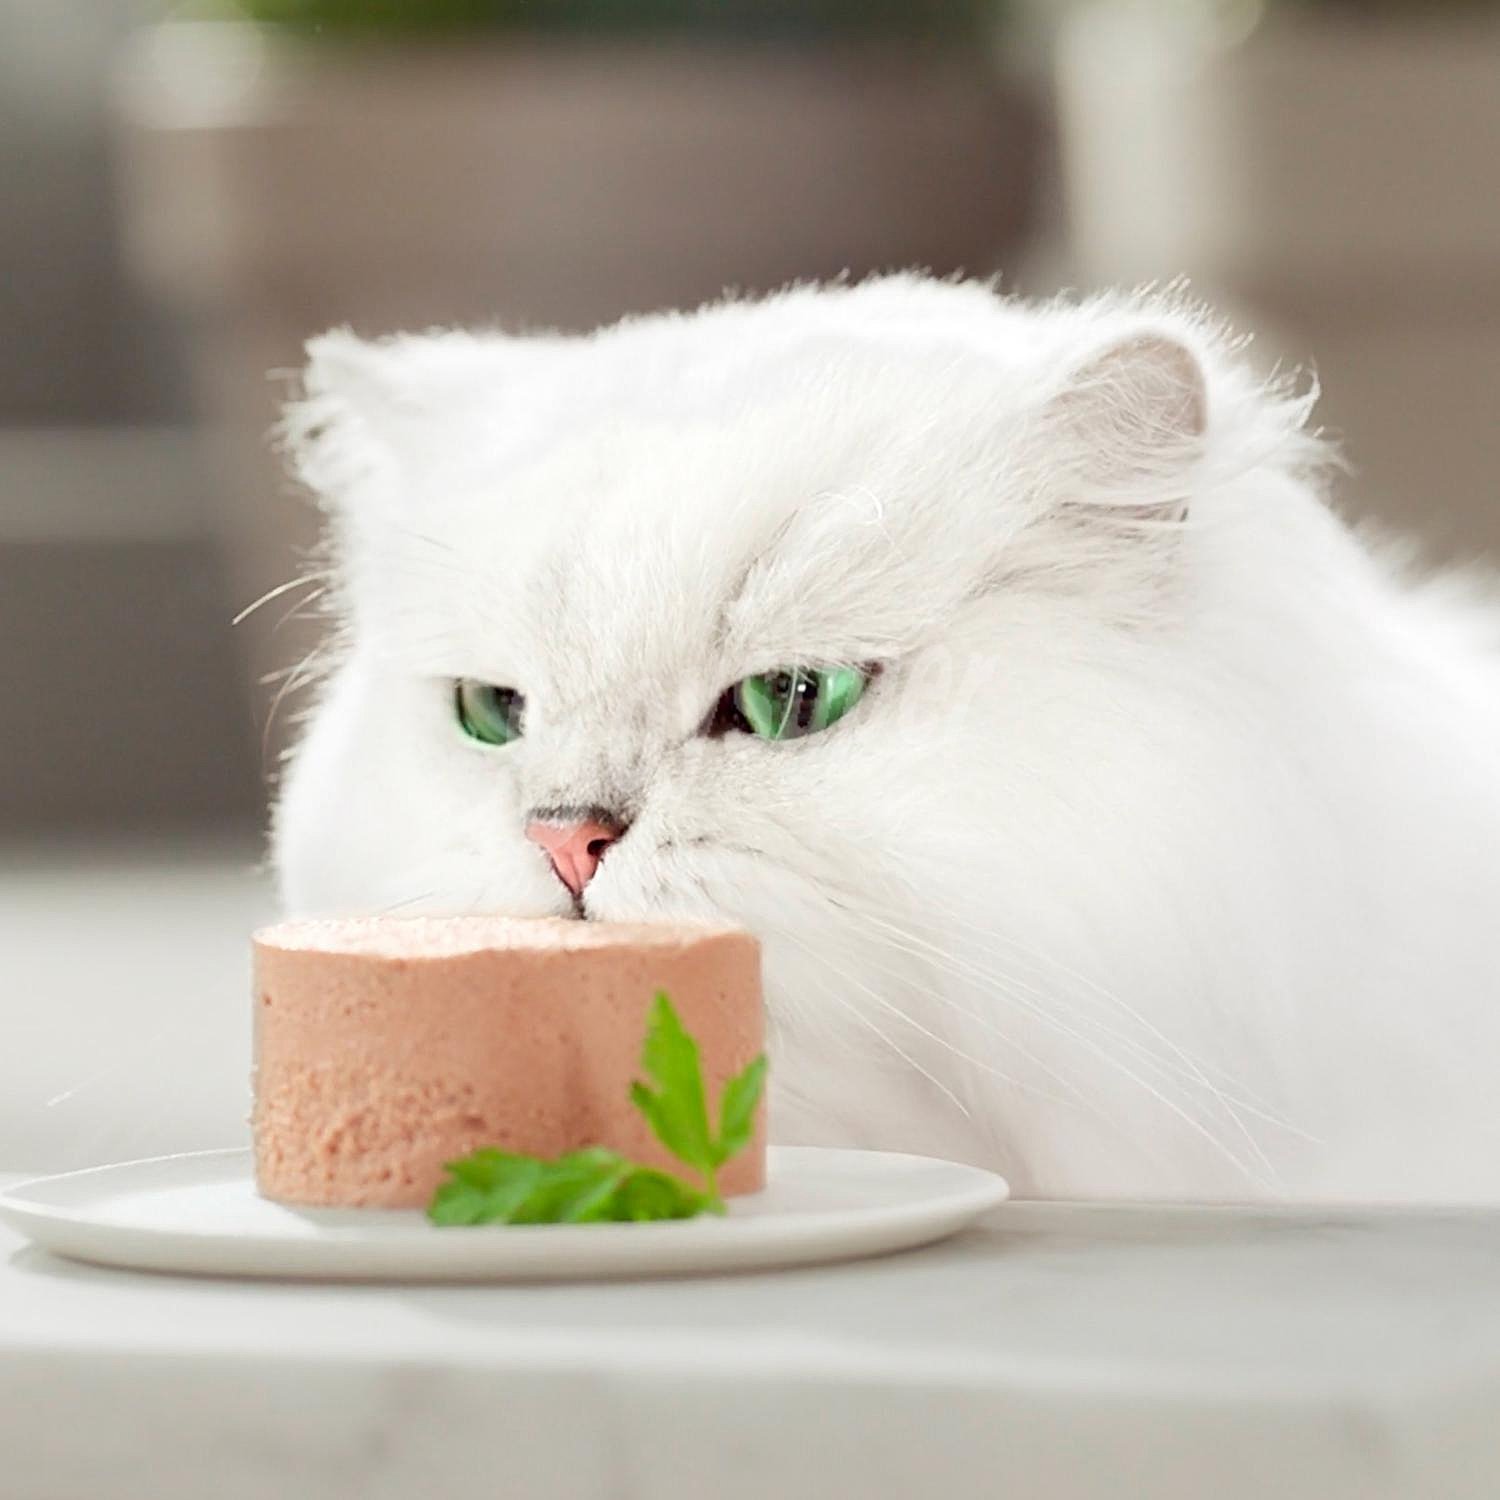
1054, 1352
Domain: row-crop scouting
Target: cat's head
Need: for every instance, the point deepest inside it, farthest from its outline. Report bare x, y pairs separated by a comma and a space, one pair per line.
811, 613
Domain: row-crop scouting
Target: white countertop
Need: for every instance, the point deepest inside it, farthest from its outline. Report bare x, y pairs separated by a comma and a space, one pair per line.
1058, 1352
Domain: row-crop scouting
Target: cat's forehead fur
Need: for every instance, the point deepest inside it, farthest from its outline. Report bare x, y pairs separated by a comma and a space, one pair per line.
819, 475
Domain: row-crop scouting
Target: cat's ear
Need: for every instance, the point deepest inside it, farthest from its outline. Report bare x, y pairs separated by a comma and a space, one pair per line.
364, 406
1128, 425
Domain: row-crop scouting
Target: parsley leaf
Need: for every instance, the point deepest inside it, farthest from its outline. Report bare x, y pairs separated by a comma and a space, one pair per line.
649, 1194
676, 1109
584, 1187
596, 1185
487, 1187
737, 1110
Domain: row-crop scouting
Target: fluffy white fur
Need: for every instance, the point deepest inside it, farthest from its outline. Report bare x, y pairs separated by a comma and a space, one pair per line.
1161, 858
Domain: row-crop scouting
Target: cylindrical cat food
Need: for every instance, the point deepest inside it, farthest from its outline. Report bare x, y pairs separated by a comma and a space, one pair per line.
387, 1046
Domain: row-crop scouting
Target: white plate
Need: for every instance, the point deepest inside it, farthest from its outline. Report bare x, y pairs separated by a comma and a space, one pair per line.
201, 1213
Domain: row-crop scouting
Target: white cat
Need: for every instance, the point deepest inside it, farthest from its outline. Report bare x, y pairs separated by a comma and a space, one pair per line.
1129, 826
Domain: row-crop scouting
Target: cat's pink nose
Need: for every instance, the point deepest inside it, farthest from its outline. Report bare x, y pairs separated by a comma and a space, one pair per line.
574, 847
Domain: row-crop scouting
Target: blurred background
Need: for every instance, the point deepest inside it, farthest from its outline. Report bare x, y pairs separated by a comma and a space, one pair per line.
188, 192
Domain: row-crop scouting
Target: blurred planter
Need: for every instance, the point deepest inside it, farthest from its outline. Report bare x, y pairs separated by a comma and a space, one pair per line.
1332, 181
273, 189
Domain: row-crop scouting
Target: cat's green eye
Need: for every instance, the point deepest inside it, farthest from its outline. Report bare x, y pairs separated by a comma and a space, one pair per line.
487, 713
795, 701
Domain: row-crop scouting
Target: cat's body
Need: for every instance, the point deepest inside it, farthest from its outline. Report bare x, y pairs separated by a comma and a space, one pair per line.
1160, 858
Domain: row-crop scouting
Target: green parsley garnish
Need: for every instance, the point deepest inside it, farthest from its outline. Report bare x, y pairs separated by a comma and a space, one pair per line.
598, 1186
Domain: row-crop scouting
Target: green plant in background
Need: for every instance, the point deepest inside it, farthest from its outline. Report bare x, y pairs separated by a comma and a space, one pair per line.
744, 18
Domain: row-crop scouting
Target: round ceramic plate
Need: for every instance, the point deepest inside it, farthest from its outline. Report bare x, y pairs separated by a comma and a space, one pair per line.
201, 1213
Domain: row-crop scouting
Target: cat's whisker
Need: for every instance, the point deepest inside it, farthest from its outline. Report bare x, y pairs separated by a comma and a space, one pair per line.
295, 678
1040, 1013
853, 909
1244, 1099
888, 1041
303, 604
984, 1023
854, 906
1169, 1071
437, 544
987, 1025
1010, 1041
1053, 1001
1233, 1102
1188, 1065
117, 1063
320, 577
406, 901
959, 1052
